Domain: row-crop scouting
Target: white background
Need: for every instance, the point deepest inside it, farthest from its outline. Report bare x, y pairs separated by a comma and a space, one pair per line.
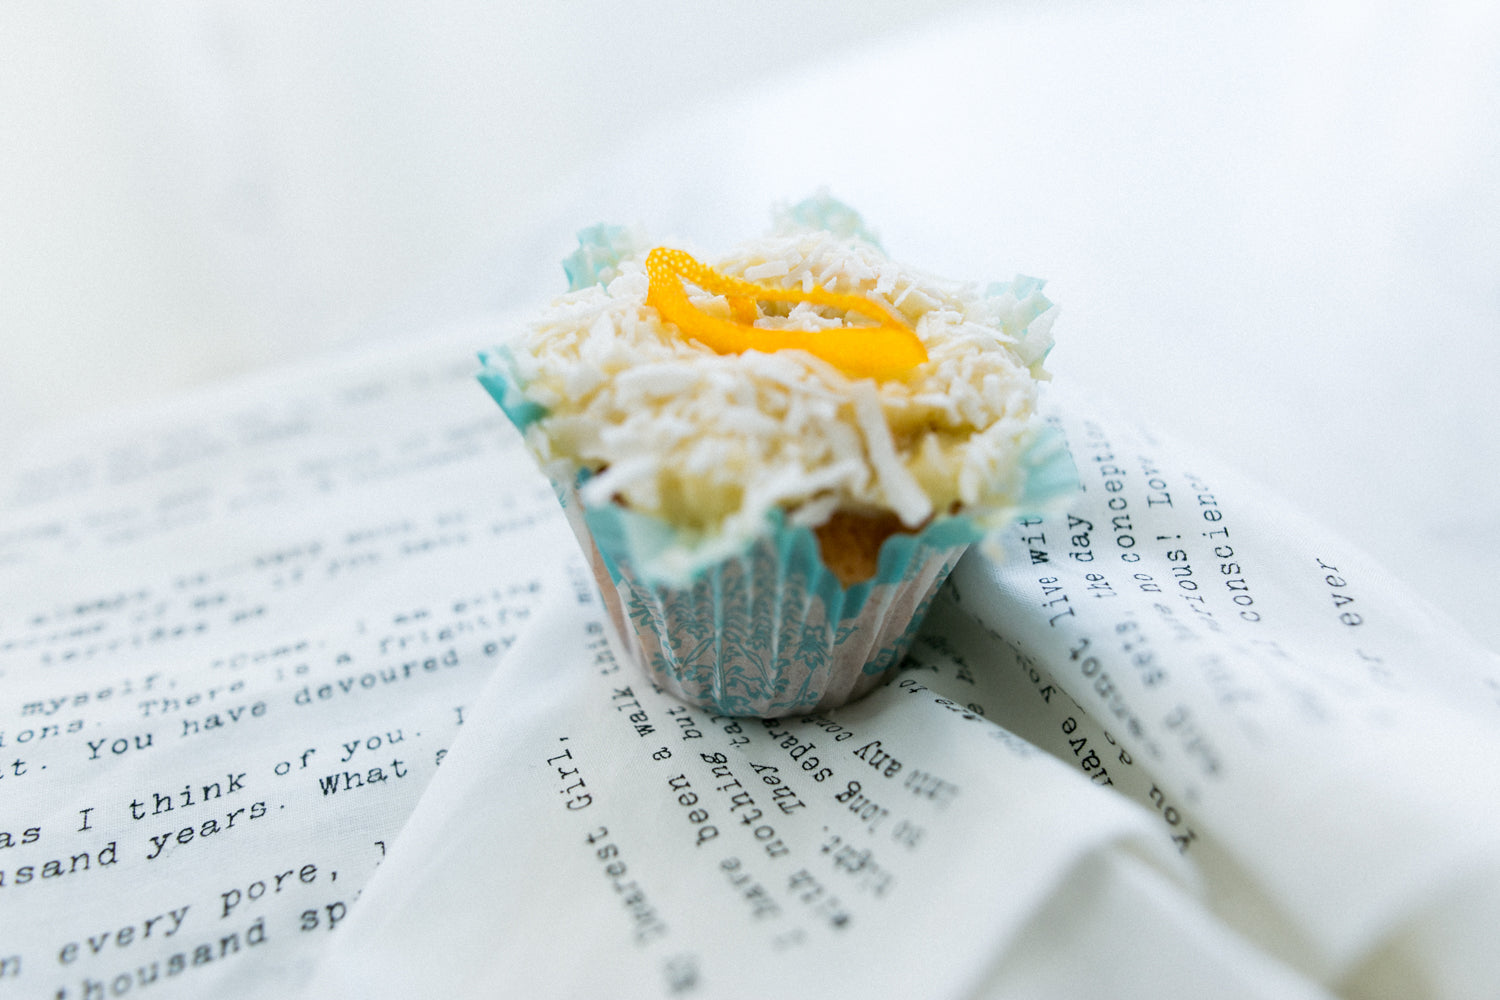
192, 189
1272, 227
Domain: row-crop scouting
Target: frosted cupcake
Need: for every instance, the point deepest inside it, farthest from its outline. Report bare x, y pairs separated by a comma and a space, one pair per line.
773, 458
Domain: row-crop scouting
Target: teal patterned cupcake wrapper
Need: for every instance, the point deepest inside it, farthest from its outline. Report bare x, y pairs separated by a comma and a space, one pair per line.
768, 631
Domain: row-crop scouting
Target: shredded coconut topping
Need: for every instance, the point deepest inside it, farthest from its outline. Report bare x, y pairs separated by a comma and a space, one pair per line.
711, 443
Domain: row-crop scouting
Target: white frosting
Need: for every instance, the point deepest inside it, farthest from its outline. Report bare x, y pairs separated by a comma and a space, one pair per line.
711, 443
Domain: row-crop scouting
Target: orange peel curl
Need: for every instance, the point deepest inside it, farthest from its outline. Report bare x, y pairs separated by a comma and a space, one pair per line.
888, 349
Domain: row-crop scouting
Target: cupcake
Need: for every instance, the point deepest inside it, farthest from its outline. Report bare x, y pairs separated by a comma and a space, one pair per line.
774, 457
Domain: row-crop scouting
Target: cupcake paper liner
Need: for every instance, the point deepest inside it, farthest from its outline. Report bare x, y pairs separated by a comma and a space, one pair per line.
769, 631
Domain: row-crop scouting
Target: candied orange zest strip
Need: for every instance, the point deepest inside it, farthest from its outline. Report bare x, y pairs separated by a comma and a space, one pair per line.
886, 350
